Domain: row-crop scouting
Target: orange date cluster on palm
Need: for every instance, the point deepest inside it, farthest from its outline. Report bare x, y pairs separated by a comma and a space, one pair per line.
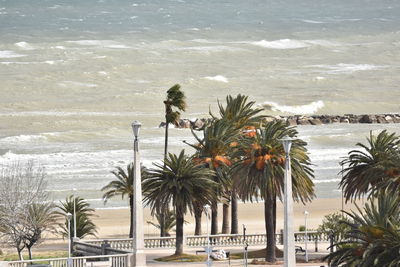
260, 156
215, 161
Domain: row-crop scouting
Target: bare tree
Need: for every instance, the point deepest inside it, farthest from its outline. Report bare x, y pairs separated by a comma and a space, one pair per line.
24, 209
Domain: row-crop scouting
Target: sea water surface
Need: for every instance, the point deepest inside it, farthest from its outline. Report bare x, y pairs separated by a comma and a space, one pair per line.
75, 74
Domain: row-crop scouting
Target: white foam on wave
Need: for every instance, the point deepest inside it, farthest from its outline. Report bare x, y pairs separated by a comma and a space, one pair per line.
100, 43
24, 46
292, 44
77, 84
281, 44
312, 21
311, 108
343, 68
22, 138
9, 54
212, 48
326, 181
217, 78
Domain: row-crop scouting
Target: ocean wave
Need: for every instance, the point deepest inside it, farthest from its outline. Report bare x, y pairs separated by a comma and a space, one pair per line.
23, 138
343, 68
281, 44
24, 46
100, 43
10, 54
292, 44
311, 108
214, 48
76, 84
312, 21
217, 78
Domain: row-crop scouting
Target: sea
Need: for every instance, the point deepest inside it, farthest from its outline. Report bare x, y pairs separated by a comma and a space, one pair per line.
75, 74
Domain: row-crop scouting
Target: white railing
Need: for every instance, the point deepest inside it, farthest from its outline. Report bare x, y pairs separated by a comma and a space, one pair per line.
215, 240
120, 260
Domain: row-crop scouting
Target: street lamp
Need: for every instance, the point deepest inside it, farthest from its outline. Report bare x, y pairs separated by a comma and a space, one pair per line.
306, 236
288, 237
75, 237
207, 210
69, 216
139, 257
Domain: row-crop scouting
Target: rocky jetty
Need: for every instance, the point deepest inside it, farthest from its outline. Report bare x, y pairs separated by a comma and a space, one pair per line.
198, 124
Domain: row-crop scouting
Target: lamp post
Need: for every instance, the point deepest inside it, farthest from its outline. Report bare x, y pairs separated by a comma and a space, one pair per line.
69, 216
288, 236
139, 257
207, 210
75, 237
305, 236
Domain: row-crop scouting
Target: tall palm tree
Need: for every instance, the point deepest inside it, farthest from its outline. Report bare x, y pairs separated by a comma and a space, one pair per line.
123, 186
179, 182
169, 221
260, 173
241, 114
212, 151
175, 99
84, 217
374, 235
374, 164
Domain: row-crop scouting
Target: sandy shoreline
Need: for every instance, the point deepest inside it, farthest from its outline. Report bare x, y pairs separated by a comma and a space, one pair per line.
115, 222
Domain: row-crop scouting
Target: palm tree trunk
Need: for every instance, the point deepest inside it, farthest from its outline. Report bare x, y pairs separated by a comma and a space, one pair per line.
29, 252
269, 228
198, 212
20, 254
179, 234
234, 213
225, 219
131, 221
162, 217
214, 217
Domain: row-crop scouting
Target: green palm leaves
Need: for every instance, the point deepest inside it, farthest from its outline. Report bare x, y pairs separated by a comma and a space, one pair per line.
175, 99
374, 236
122, 186
179, 182
261, 169
374, 167
84, 217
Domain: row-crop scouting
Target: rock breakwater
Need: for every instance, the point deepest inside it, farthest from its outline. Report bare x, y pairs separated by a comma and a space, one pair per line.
198, 124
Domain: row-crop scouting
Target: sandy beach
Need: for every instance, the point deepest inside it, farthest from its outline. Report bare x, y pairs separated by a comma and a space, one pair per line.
115, 222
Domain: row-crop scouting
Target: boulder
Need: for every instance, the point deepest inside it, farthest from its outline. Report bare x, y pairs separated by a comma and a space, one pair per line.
292, 122
381, 119
367, 119
344, 120
198, 124
303, 122
315, 121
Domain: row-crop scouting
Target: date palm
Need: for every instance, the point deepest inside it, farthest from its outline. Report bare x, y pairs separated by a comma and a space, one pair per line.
241, 114
213, 152
123, 186
179, 182
260, 173
373, 165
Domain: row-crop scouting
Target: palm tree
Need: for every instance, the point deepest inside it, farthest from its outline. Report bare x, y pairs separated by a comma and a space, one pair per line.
122, 186
41, 217
374, 235
169, 221
260, 173
175, 99
84, 214
240, 114
179, 182
212, 151
372, 166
